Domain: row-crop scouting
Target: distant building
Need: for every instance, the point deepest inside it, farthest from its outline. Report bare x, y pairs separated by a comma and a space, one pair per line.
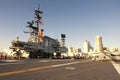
99, 45
86, 46
74, 52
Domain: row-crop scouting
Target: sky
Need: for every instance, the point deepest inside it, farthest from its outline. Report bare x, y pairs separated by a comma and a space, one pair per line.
79, 19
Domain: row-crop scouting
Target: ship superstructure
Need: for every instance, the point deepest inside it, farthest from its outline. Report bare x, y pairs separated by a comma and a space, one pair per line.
36, 33
37, 46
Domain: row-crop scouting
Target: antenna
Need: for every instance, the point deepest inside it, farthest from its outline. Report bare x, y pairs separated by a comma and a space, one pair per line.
38, 16
35, 29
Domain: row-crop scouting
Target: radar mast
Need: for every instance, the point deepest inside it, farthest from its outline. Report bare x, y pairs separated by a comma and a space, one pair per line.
36, 32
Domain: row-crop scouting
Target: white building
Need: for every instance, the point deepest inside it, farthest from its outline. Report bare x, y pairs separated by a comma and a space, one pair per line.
86, 46
99, 45
70, 51
75, 52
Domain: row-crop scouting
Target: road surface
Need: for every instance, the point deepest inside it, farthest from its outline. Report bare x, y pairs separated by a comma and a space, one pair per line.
57, 69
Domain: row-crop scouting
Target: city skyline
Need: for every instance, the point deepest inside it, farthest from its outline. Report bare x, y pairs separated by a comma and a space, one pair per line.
80, 20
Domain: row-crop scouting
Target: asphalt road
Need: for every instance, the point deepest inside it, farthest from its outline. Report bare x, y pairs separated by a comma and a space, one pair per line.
48, 69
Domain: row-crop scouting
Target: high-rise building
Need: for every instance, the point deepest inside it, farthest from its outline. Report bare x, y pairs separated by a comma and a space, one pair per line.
99, 45
86, 46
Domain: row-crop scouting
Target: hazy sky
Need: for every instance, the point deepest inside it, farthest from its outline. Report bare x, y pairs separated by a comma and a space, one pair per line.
79, 19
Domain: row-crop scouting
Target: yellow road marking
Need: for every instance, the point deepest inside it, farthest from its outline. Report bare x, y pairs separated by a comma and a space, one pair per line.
38, 68
23, 71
